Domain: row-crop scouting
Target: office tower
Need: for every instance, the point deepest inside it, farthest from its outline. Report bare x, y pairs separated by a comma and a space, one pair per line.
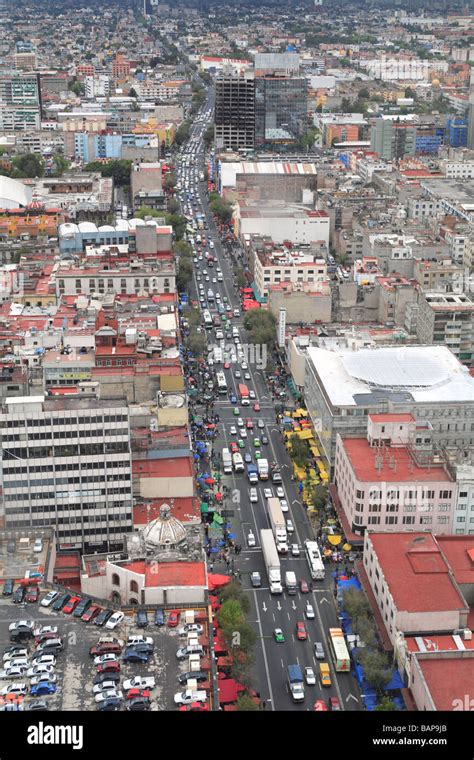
280, 110
392, 141
456, 131
20, 102
234, 118
470, 114
66, 464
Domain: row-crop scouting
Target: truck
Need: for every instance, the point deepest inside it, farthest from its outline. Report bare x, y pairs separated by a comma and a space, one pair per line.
252, 473
290, 582
244, 394
278, 524
262, 465
226, 461
272, 561
296, 683
238, 462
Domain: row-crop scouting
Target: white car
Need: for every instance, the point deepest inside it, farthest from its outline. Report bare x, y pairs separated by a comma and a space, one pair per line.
44, 659
240, 422
103, 658
49, 677
295, 550
237, 374
251, 539
233, 430
45, 629
10, 672
188, 696
40, 670
104, 686
309, 676
114, 620
252, 395
268, 493
309, 611
280, 492
14, 655
243, 433
49, 598
108, 694
284, 505
253, 495
18, 662
20, 689
22, 624
137, 638
244, 365
190, 628
139, 682
290, 528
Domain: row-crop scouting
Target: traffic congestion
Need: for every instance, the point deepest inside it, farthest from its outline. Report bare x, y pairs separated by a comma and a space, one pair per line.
235, 416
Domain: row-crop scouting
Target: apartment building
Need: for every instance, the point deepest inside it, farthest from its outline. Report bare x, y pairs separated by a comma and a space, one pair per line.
132, 278
447, 319
272, 267
66, 464
282, 222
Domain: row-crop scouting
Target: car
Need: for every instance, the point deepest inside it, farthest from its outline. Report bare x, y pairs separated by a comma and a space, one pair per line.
159, 617
253, 495
21, 624
173, 618
59, 603
141, 618
252, 395
18, 689
236, 411
109, 667
139, 682
134, 693
108, 694
105, 648
233, 430
44, 630
240, 443
249, 424
233, 447
240, 422
256, 407
264, 440
318, 650
13, 671
71, 605
251, 539
233, 400
226, 365
284, 505
49, 676
256, 443
43, 688
82, 607
248, 458
247, 376
190, 628
256, 579
7, 588
309, 611
38, 546
295, 550
258, 454
279, 636
114, 620
109, 677
38, 670
40, 658
38, 705
48, 644
301, 633
310, 676
32, 594
290, 528
132, 654
14, 652
268, 493
91, 613
139, 704
19, 595
109, 705
320, 706
304, 588
188, 696
21, 635
106, 685
104, 658
237, 374
243, 433
102, 617
280, 492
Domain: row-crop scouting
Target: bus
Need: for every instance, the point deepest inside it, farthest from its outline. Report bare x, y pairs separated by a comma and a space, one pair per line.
244, 394
338, 648
221, 382
315, 562
206, 315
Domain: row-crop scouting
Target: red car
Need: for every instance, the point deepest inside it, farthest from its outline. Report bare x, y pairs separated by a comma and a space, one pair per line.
226, 365
91, 613
256, 407
105, 648
304, 587
301, 634
320, 706
109, 667
249, 424
173, 619
194, 707
45, 637
132, 693
334, 703
233, 447
71, 605
32, 594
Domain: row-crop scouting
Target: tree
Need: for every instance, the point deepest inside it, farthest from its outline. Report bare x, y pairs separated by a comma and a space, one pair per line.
299, 451
27, 166
133, 93
260, 325
318, 495
386, 705
221, 209
177, 222
355, 603
193, 316
185, 273
182, 248
118, 169
173, 206
245, 703
364, 628
182, 133
61, 163
145, 211
377, 669
78, 88
169, 181
197, 343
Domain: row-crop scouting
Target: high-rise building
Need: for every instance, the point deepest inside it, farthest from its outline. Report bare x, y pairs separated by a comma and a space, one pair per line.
66, 464
235, 111
470, 114
20, 102
456, 131
280, 109
392, 141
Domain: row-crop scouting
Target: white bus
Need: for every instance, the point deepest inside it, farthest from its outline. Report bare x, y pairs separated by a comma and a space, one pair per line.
206, 315
221, 382
315, 562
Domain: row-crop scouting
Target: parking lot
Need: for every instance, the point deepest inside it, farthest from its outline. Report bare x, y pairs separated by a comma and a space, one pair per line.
75, 670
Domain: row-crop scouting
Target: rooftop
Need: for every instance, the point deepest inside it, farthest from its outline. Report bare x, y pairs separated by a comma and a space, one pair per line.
447, 679
397, 466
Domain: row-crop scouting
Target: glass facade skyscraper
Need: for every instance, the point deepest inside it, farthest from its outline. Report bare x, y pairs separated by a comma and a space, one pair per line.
280, 110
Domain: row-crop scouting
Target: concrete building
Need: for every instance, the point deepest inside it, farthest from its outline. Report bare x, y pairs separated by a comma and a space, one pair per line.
234, 116
66, 465
282, 222
447, 318
392, 141
20, 102
303, 303
273, 266
267, 180
147, 185
387, 480
132, 278
344, 386
470, 114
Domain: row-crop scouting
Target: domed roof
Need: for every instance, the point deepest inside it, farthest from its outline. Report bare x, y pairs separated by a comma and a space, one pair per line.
164, 532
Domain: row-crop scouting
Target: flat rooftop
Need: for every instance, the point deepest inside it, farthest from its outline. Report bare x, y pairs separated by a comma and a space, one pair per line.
448, 680
452, 190
397, 467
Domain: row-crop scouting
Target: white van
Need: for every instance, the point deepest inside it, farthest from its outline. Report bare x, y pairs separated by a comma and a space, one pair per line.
238, 462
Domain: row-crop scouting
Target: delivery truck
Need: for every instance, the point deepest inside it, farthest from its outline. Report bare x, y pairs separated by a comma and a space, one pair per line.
272, 561
227, 461
296, 683
262, 465
278, 525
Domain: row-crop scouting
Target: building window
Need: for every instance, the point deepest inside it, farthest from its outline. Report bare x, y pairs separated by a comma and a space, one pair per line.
115, 579
134, 587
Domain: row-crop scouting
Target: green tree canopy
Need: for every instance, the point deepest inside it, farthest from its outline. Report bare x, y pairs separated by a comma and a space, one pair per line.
119, 169
28, 165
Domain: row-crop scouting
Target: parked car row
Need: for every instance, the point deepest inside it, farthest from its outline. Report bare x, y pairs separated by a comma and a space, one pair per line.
106, 685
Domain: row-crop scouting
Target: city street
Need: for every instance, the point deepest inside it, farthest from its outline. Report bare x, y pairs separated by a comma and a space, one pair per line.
269, 611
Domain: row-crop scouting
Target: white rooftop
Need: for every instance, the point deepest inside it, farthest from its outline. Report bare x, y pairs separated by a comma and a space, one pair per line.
429, 373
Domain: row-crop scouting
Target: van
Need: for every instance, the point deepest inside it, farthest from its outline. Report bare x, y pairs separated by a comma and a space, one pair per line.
184, 652
7, 588
324, 674
142, 619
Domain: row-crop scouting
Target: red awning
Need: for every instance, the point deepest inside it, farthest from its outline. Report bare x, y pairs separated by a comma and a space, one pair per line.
216, 581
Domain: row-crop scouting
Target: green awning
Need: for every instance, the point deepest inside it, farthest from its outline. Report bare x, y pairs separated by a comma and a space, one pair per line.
218, 518
204, 508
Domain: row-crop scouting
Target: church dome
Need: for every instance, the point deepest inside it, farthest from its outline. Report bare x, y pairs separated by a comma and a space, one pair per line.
163, 532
